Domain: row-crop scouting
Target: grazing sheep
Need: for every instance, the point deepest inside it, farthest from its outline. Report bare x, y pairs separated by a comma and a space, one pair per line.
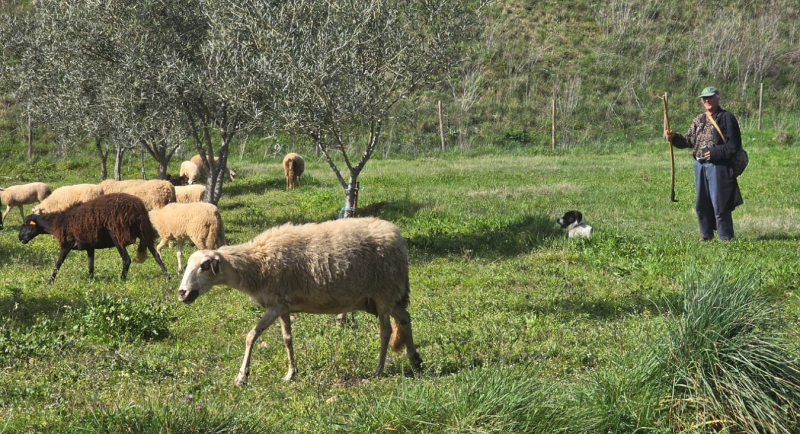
198, 222
155, 193
190, 193
198, 160
293, 167
114, 186
64, 197
110, 220
190, 171
180, 180
328, 268
25, 194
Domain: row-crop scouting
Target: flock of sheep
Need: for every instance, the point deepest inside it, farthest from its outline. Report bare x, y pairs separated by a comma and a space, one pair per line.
328, 268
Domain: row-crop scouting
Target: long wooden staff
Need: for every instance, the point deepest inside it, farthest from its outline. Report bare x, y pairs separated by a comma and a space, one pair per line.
671, 152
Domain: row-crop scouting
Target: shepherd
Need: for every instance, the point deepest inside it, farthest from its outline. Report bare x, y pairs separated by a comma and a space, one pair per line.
714, 138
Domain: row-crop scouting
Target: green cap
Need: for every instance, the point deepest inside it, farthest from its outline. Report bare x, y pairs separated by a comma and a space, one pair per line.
709, 91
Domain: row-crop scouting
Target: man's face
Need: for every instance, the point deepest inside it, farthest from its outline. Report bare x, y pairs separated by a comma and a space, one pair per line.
711, 102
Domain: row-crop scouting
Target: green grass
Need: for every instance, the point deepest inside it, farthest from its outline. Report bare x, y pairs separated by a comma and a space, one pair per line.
520, 329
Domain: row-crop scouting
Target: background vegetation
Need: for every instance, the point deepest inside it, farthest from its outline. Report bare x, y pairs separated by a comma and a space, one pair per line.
606, 63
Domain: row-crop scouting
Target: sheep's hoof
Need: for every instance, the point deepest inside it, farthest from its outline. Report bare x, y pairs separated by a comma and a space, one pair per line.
289, 375
240, 380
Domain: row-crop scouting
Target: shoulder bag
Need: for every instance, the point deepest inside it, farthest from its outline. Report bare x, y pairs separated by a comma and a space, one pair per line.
739, 160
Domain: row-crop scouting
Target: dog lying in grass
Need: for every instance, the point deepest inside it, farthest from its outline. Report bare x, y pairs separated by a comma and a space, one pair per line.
573, 222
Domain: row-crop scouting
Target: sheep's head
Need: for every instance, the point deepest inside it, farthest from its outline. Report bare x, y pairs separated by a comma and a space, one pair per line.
203, 270
32, 226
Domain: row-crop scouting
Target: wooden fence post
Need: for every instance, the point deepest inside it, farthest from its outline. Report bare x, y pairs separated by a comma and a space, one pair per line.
553, 132
441, 126
760, 99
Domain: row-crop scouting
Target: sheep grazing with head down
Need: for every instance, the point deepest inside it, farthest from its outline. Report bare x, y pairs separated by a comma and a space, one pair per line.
198, 222
328, 268
190, 171
64, 197
155, 193
114, 186
198, 161
111, 220
190, 193
25, 194
293, 168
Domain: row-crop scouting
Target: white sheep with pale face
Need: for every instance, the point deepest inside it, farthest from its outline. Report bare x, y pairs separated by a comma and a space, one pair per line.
327, 268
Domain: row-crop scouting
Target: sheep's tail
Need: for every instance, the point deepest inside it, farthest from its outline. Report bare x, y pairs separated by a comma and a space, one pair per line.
147, 239
220, 234
401, 326
398, 341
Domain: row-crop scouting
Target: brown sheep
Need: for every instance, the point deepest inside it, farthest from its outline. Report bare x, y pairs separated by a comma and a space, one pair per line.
111, 220
293, 168
328, 268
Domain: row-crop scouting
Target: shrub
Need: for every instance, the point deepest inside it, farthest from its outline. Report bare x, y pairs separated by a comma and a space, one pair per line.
729, 366
123, 318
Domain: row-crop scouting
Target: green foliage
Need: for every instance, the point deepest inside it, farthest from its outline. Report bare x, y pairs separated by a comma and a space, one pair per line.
477, 400
520, 328
730, 363
109, 317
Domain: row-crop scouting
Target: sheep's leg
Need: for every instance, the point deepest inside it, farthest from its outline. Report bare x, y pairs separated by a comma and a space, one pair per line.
386, 334
126, 258
21, 213
90, 255
270, 315
179, 254
286, 331
61, 256
8, 209
157, 257
404, 336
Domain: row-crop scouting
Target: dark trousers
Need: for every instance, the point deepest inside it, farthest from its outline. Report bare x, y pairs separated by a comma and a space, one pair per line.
709, 220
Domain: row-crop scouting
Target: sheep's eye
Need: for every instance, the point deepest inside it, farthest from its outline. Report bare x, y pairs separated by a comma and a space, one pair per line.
205, 265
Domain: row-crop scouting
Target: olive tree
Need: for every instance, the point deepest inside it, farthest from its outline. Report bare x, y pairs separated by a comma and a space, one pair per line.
101, 69
333, 69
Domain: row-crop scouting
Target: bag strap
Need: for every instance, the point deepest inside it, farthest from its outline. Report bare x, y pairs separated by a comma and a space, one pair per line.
708, 115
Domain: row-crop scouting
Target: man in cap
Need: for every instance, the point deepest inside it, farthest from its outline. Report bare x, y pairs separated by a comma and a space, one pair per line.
714, 180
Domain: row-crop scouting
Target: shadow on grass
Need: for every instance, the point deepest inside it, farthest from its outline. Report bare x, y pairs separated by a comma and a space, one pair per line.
778, 236
23, 310
631, 304
511, 240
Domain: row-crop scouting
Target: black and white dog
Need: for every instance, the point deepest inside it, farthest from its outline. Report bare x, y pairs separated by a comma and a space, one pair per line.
573, 222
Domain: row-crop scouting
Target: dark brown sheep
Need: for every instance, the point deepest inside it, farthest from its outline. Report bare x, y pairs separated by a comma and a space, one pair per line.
111, 220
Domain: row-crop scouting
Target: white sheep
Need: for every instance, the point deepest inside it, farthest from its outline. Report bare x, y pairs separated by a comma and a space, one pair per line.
191, 171
114, 186
293, 168
198, 160
328, 268
66, 196
189, 193
25, 194
155, 193
198, 222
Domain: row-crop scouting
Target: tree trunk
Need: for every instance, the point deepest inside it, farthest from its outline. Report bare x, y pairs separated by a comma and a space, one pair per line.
98, 144
118, 162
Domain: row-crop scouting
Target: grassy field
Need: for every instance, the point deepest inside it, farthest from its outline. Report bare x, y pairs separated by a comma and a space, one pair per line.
520, 329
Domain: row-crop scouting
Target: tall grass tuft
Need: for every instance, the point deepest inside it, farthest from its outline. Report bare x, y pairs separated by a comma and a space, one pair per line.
731, 368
